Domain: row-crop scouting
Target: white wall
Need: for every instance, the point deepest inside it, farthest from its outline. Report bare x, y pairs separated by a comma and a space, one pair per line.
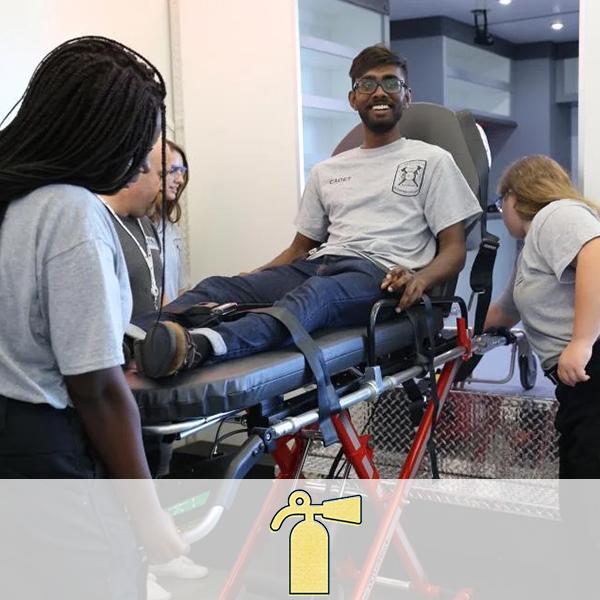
238, 104
238, 76
30, 28
589, 98
240, 96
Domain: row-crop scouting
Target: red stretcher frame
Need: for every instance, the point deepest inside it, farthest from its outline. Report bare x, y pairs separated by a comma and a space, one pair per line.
359, 454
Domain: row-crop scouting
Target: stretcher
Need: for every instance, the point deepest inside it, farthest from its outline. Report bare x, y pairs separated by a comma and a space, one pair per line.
276, 393
240, 384
275, 389
365, 363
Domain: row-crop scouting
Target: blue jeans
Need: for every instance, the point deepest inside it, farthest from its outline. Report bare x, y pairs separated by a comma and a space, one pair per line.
331, 291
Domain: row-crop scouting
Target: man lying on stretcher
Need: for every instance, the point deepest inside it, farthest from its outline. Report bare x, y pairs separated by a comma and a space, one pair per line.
369, 223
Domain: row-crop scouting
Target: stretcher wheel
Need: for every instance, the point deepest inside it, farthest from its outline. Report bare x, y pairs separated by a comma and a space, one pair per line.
527, 370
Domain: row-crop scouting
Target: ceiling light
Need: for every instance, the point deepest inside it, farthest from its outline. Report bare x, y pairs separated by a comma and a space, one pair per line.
505, 2
557, 25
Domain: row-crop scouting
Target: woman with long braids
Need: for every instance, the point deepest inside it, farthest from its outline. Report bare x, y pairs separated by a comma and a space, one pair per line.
86, 122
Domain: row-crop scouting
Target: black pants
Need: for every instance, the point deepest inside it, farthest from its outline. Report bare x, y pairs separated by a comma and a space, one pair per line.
159, 451
578, 422
65, 534
37, 440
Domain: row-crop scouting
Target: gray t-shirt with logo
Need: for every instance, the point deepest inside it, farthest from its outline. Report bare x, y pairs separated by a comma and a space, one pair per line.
386, 203
64, 293
543, 284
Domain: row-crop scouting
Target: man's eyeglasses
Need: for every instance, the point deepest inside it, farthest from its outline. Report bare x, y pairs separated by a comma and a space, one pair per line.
390, 85
177, 169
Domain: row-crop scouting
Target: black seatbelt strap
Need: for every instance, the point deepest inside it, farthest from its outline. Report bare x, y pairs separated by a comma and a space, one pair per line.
328, 399
416, 406
481, 284
482, 278
202, 314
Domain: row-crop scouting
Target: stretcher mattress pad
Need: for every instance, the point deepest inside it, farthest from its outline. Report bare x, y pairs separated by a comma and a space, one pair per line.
245, 382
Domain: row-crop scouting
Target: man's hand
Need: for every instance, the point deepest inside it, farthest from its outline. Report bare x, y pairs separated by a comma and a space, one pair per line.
572, 362
413, 286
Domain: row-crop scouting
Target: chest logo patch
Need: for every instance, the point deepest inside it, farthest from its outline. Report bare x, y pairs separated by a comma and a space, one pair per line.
409, 177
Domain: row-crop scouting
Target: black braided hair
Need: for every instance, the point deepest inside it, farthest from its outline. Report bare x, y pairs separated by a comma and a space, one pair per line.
88, 117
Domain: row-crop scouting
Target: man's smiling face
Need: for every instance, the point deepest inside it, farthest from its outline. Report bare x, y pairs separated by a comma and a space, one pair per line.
379, 110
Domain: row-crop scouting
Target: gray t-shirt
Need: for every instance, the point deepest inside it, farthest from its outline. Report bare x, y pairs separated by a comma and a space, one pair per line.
64, 293
172, 258
139, 274
544, 281
388, 203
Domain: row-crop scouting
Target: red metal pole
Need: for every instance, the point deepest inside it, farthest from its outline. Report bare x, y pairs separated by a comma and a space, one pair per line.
380, 544
356, 447
288, 459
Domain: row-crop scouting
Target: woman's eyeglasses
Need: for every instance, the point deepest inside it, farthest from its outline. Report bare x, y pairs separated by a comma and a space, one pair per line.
177, 169
499, 202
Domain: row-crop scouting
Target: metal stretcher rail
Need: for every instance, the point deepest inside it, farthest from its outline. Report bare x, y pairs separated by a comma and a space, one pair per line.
371, 390
187, 428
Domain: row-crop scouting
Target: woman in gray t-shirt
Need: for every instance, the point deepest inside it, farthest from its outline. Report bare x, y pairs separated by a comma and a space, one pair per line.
555, 291
86, 123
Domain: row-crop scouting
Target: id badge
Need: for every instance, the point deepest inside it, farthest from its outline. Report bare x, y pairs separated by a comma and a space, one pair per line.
152, 244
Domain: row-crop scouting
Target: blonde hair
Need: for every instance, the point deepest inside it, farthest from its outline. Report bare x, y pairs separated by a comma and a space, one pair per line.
536, 181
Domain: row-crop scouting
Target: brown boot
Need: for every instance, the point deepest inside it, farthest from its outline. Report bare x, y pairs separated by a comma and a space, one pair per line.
169, 348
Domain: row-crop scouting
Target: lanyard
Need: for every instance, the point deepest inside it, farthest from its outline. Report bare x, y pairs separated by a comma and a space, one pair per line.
146, 254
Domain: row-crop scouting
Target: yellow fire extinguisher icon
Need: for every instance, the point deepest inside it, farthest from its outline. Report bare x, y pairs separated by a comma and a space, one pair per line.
309, 539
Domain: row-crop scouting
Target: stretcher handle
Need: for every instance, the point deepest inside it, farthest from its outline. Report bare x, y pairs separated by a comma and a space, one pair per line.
202, 529
185, 428
223, 501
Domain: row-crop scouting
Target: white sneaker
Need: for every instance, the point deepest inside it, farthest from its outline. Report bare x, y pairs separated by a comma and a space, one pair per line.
181, 567
155, 591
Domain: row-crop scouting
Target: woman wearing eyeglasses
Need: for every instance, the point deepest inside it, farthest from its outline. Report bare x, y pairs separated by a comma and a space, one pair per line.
177, 180
555, 291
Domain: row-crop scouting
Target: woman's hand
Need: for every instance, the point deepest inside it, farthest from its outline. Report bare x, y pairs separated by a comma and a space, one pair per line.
572, 362
399, 279
160, 538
